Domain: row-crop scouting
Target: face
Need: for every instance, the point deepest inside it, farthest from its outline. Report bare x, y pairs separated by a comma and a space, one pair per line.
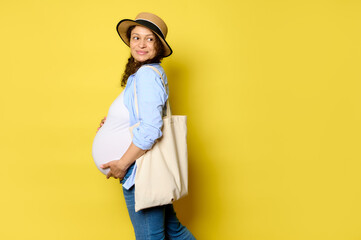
142, 44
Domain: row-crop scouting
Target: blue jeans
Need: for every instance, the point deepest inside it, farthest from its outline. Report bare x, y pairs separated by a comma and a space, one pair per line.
155, 223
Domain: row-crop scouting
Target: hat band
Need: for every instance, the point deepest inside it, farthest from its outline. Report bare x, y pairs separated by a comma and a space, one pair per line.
151, 26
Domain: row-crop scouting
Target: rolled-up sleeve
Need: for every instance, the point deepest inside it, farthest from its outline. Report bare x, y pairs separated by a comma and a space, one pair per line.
151, 99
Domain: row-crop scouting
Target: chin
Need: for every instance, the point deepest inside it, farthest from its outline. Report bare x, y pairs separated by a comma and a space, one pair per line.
142, 59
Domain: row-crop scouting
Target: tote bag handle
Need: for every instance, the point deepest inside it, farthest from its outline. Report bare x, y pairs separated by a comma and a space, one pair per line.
169, 113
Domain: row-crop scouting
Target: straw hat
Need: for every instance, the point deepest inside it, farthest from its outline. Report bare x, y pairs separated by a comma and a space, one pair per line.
149, 20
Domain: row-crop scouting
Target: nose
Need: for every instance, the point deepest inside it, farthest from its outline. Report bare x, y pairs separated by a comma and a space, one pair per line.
142, 43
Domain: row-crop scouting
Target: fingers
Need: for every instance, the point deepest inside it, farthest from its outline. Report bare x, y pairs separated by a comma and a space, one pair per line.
115, 171
108, 165
111, 174
101, 123
103, 120
105, 166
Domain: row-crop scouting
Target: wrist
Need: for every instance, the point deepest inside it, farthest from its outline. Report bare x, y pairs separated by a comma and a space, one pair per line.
122, 165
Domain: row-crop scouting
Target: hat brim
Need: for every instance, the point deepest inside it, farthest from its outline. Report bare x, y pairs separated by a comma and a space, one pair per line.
123, 26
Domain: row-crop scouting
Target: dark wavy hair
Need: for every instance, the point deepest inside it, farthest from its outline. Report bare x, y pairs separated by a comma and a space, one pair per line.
132, 66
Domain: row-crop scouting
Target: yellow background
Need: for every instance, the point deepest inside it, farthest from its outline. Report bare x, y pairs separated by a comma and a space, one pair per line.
272, 94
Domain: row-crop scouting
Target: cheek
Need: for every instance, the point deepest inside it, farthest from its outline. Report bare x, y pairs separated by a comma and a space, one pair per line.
131, 46
153, 49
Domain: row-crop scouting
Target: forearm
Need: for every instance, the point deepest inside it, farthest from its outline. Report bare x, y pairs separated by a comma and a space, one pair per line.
132, 154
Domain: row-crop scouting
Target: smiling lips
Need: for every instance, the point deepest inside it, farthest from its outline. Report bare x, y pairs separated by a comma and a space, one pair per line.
141, 52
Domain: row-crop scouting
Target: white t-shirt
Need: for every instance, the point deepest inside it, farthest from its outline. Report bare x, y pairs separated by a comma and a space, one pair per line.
113, 138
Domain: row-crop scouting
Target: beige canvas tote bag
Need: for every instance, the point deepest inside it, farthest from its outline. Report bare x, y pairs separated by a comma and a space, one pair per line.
162, 172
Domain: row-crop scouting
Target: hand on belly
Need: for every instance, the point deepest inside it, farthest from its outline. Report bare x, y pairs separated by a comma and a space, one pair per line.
116, 169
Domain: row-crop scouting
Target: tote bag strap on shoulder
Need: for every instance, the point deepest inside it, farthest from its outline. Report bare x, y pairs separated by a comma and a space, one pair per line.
169, 113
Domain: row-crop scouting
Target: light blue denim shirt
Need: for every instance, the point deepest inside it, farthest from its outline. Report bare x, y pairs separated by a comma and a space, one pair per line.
152, 97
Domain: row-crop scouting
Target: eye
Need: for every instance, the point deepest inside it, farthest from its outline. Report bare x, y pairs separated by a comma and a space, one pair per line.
135, 38
150, 39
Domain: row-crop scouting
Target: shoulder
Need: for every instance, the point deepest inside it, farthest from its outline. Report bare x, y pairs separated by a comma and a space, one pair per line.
145, 71
150, 69
150, 72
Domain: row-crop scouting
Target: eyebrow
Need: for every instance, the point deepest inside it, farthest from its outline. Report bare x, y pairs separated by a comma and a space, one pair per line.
151, 34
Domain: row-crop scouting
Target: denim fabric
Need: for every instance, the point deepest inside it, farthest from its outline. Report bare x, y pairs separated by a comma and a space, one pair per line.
127, 175
155, 223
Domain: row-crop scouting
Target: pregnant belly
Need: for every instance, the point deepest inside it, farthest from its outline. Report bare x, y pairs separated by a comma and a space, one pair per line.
110, 145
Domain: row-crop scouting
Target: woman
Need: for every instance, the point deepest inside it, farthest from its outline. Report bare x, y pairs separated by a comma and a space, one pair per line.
146, 38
